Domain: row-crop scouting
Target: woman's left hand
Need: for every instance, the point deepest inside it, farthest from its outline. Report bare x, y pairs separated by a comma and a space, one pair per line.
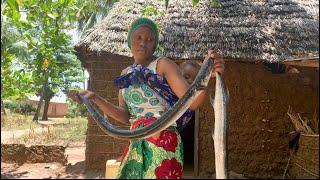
218, 65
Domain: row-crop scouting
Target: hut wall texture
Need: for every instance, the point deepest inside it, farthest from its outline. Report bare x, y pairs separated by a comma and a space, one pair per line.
258, 123
54, 110
304, 162
99, 146
57, 109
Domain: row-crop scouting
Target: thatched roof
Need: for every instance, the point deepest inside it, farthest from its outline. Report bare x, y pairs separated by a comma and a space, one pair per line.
272, 30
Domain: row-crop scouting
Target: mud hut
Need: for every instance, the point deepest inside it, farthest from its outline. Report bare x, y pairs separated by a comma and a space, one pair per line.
271, 54
58, 106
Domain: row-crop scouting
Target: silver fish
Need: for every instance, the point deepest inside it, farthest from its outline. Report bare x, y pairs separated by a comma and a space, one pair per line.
219, 134
167, 119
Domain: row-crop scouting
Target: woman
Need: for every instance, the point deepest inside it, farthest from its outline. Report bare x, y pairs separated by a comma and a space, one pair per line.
147, 89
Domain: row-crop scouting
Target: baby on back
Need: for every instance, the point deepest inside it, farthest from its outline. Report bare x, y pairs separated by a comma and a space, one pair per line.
189, 70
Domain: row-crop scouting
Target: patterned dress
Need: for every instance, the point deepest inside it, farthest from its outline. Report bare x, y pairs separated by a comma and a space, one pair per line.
150, 158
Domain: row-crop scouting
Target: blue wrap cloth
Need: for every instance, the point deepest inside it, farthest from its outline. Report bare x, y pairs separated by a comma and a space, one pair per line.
140, 74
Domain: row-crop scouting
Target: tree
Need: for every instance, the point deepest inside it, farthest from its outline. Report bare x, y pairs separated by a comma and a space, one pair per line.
214, 3
14, 78
52, 62
90, 12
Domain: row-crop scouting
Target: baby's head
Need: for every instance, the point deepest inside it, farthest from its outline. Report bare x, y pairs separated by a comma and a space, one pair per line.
189, 70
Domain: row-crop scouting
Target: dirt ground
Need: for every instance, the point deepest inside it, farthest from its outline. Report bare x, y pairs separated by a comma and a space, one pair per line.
74, 170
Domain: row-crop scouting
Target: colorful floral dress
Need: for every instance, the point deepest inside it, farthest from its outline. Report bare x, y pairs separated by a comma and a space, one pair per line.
150, 158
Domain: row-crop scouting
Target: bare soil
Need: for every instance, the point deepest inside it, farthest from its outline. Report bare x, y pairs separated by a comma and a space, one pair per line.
75, 168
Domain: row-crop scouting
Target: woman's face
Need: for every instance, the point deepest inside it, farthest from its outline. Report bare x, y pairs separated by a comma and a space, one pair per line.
142, 44
189, 73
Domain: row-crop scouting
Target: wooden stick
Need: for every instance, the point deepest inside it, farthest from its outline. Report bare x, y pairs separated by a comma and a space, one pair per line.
295, 121
285, 171
306, 170
308, 129
308, 62
316, 122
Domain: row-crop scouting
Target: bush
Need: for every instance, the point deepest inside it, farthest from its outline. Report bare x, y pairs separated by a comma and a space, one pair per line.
12, 105
75, 110
25, 108
21, 107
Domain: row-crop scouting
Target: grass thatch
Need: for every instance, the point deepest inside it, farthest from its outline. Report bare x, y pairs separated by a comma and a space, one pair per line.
265, 30
303, 125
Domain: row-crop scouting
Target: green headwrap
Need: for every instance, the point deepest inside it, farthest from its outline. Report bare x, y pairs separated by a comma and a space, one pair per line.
143, 22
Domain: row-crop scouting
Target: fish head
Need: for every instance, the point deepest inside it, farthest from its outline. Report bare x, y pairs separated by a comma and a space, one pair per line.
204, 75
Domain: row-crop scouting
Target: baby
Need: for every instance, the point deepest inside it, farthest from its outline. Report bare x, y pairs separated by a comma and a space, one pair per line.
189, 70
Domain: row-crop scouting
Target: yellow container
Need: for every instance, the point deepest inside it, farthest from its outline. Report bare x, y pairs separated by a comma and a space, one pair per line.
112, 167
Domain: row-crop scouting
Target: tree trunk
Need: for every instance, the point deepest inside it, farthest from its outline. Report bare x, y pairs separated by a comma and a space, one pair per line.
36, 115
45, 110
2, 108
2, 105
84, 79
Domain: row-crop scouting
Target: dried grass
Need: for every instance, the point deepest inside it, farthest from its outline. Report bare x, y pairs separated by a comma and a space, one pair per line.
263, 30
303, 124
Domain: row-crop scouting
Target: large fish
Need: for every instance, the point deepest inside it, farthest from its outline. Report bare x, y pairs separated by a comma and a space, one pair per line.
219, 134
167, 119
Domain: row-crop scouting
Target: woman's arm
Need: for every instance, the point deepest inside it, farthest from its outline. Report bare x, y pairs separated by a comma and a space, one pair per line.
119, 113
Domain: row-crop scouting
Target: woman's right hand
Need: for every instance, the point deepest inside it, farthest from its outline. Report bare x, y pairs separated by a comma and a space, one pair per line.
85, 93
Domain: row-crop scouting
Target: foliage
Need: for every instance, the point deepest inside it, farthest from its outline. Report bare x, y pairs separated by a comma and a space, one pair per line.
214, 3
12, 105
149, 9
51, 59
75, 110
21, 107
25, 108
14, 78
89, 12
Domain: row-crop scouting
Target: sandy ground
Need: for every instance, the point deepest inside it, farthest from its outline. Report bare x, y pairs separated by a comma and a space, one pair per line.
74, 170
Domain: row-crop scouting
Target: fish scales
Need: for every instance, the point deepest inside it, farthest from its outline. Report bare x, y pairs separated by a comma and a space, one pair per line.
219, 134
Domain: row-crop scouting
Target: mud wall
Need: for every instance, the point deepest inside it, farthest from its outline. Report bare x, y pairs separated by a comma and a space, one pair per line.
99, 146
19, 153
258, 124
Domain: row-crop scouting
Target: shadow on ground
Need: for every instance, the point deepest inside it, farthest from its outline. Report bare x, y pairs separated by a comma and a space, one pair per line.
78, 170
12, 173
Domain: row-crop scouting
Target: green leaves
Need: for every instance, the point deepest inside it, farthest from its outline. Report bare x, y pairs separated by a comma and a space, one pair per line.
52, 16
150, 10
215, 4
12, 9
13, 5
88, 12
16, 15
44, 39
195, 2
